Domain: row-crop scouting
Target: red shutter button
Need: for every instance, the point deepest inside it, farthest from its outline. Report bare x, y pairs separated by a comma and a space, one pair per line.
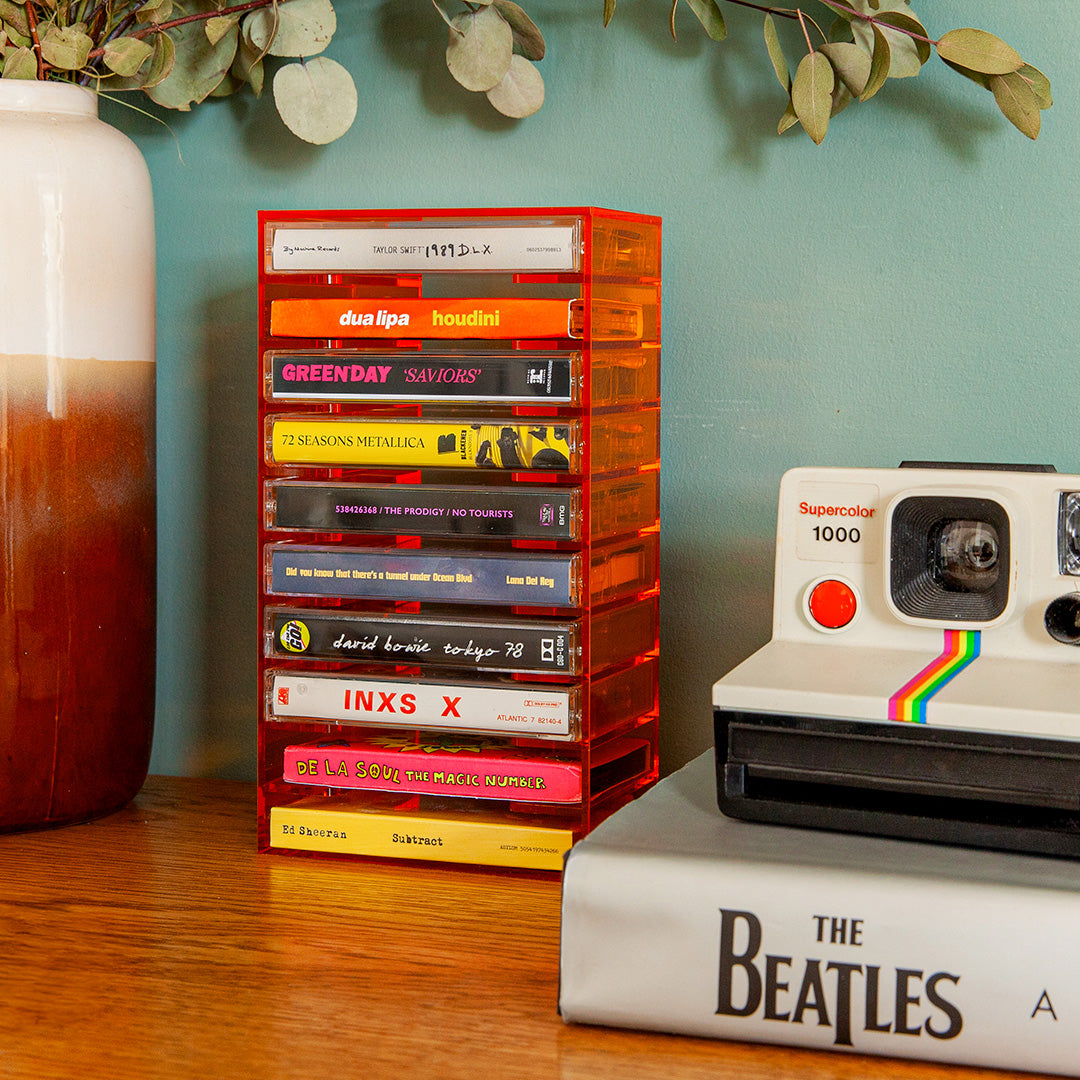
832, 604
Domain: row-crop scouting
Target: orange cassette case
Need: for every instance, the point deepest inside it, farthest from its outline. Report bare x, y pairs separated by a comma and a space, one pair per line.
459, 417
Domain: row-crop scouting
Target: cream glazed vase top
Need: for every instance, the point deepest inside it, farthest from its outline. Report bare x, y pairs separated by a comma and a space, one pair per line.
77, 482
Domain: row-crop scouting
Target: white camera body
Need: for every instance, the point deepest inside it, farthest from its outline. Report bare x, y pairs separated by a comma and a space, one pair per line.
923, 677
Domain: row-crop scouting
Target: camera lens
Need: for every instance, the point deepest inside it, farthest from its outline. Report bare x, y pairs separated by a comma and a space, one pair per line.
949, 557
1062, 619
967, 555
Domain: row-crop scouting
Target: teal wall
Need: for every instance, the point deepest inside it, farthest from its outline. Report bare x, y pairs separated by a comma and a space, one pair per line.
908, 289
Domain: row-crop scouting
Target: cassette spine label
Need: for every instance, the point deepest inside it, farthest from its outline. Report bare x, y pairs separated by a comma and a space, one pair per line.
530, 710
485, 647
408, 574
496, 318
427, 510
466, 768
333, 376
359, 249
424, 443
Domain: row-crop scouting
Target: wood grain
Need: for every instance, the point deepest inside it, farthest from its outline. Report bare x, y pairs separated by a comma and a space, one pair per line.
157, 943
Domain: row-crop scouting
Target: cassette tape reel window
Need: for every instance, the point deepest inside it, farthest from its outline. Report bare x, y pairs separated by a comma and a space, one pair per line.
923, 676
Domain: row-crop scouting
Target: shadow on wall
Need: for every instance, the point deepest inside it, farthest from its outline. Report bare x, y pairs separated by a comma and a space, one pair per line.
219, 729
715, 610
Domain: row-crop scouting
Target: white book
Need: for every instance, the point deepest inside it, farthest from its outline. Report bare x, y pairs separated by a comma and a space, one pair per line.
678, 919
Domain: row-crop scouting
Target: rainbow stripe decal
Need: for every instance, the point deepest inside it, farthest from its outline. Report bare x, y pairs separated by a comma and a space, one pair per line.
910, 701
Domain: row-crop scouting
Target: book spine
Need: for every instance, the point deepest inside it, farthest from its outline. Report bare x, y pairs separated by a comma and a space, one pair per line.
532, 710
410, 574
428, 770
551, 447
418, 836
967, 972
449, 318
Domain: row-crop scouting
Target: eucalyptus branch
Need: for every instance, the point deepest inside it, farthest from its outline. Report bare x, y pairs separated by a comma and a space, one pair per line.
31, 18
493, 48
183, 20
806, 33
862, 17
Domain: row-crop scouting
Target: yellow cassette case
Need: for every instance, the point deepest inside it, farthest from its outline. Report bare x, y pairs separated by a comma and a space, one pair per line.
338, 825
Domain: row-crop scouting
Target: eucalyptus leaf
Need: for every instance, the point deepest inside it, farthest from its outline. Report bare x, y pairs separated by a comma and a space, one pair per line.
609, 11
851, 64
163, 61
1017, 101
198, 69
908, 23
316, 100
811, 94
528, 41
841, 98
980, 51
480, 48
840, 31
154, 12
125, 55
20, 63
228, 86
904, 60
788, 120
711, 18
66, 48
880, 63
16, 38
1039, 83
15, 17
248, 65
975, 76
292, 28
218, 26
776, 54
520, 92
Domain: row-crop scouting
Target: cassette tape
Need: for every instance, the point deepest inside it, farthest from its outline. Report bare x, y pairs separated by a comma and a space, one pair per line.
469, 767
519, 511
512, 510
609, 443
529, 579
438, 242
504, 318
508, 708
536, 645
415, 443
462, 767
357, 823
539, 579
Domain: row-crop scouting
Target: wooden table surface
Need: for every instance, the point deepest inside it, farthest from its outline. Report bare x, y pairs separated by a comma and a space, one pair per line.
157, 943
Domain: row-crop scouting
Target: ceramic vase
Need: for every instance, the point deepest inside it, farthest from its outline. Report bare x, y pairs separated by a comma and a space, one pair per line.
77, 481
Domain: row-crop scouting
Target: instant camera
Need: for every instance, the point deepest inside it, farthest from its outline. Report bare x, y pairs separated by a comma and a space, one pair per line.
923, 677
